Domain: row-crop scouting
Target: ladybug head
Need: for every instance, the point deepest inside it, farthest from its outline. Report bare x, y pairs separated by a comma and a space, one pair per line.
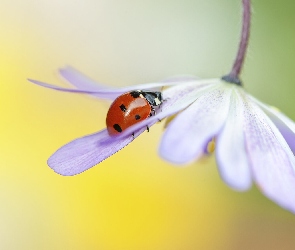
154, 98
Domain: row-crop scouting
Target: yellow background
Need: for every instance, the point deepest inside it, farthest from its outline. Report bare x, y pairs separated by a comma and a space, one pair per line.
133, 200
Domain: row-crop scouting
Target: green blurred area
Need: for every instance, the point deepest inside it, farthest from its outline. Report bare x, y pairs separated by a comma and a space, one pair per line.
133, 200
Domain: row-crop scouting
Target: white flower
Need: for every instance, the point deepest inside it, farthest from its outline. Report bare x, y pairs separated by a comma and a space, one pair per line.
254, 142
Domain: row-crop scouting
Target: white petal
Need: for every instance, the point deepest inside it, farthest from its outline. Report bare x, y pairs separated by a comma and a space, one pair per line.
282, 122
181, 84
181, 78
271, 159
230, 148
184, 139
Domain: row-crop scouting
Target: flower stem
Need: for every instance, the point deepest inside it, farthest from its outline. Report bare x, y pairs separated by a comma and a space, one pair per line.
233, 76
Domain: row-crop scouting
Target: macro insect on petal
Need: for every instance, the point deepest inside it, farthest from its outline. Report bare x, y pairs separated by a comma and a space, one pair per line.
131, 108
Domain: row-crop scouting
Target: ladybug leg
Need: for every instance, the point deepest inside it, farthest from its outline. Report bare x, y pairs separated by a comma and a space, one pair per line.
147, 128
153, 111
133, 135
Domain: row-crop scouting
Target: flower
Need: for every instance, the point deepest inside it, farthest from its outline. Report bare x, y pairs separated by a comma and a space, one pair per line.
254, 142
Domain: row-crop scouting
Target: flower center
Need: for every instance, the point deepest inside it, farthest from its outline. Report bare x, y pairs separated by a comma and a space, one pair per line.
232, 79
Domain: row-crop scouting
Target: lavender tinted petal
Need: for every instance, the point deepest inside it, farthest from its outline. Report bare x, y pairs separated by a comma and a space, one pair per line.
79, 80
85, 152
103, 95
285, 125
184, 139
230, 148
272, 162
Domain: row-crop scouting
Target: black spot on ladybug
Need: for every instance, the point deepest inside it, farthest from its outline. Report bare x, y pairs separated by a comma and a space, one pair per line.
135, 94
117, 128
123, 108
137, 117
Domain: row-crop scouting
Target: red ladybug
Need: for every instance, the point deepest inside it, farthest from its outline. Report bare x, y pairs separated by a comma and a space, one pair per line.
131, 108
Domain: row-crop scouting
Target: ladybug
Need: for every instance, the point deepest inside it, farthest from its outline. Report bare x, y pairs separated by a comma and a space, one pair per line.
131, 108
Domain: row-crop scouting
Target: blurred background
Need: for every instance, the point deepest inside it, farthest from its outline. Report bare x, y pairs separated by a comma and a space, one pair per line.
133, 200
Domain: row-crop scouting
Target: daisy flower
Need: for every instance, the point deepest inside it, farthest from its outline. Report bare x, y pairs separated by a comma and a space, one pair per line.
254, 142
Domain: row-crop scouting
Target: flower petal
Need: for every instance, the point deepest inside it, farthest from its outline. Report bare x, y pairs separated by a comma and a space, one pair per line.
230, 148
285, 125
83, 82
184, 139
79, 80
50, 86
181, 78
85, 152
272, 161
85, 85
98, 93
156, 85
